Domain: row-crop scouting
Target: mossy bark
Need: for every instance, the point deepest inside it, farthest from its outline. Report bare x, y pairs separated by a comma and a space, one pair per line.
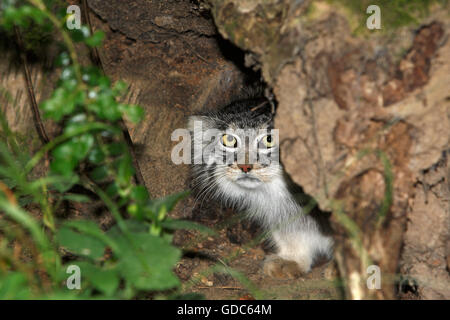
360, 118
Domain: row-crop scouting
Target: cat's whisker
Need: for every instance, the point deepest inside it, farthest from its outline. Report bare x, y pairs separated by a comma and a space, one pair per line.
205, 192
205, 180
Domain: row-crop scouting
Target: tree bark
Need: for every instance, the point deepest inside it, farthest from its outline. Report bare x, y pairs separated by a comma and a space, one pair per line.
358, 127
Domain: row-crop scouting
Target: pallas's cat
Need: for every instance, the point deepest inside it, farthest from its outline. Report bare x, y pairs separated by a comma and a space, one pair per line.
236, 162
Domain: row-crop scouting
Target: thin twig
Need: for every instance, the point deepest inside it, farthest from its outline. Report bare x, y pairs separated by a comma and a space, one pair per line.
259, 106
95, 56
138, 174
30, 89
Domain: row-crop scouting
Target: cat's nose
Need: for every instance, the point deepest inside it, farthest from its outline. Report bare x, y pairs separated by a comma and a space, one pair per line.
245, 167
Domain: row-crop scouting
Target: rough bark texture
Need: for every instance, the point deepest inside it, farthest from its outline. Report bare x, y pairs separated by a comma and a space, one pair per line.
168, 52
426, 251
357, 129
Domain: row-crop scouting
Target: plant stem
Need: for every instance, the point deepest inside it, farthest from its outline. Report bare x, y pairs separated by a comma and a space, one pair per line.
64, 137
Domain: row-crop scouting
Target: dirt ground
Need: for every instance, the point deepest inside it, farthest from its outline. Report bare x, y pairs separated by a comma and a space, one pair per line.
228, 265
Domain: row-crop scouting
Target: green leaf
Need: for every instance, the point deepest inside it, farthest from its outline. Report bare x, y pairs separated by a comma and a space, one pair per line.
91, 229
99, 173
132, 226
13, 285
134, 113
79, 35
167, 203
76, 197
146, 261
135, 211
104, 279
67, 155
64, 183
107, 107
96, 156
63, 60
96, 39
80, 244
125, 170
83, 144
116, 148
64, 159
120, 88
104, 83
112, 189
140, 194
91, 75
56, 107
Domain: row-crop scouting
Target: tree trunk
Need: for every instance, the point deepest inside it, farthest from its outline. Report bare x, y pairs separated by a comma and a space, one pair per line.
364, 130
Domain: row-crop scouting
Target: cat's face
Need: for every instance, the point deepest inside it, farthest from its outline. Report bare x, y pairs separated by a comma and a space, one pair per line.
239, 151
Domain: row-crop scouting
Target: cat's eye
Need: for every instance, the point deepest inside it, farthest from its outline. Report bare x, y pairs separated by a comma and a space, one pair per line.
268, 141
229, 141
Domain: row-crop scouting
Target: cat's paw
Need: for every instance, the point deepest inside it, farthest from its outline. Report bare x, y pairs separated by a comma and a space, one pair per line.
278, 268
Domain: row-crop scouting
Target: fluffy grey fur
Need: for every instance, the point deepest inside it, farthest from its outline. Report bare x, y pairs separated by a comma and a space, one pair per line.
263, 192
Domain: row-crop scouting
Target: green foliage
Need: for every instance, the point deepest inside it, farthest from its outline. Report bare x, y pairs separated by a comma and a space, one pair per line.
20, 15
135, 255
